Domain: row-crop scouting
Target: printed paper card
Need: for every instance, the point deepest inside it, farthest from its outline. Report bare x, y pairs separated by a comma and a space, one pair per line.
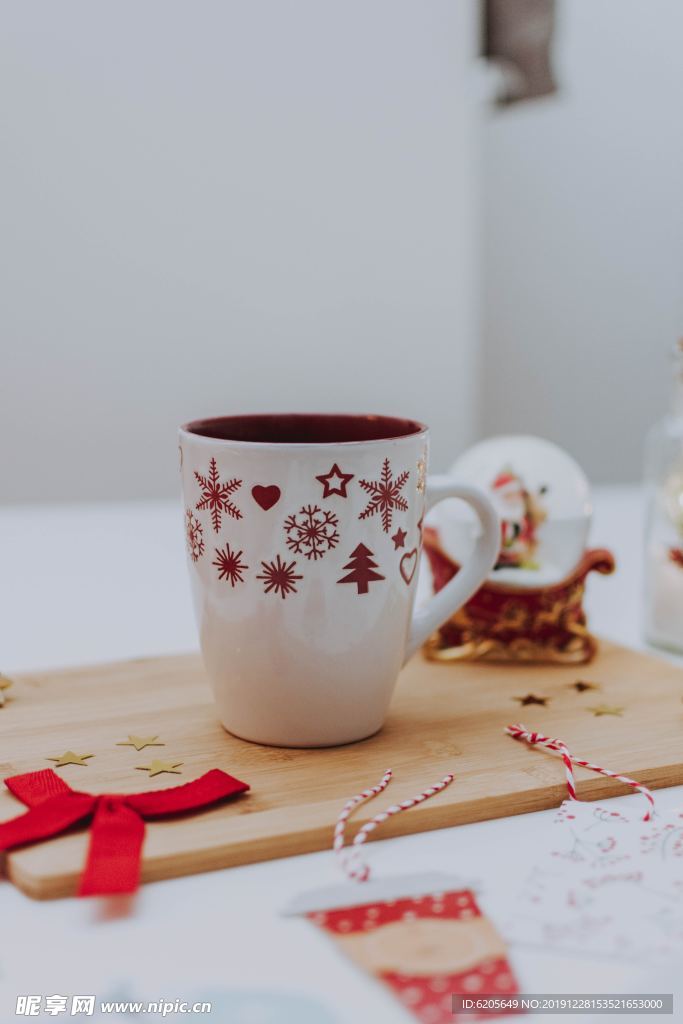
608, 885
426, 949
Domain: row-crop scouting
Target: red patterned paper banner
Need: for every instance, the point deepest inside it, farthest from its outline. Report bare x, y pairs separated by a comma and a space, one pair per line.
427, 948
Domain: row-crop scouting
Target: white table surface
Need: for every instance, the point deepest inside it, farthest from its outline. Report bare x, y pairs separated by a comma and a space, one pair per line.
82, 584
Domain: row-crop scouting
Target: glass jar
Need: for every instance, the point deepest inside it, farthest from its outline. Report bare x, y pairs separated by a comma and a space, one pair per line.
664, 527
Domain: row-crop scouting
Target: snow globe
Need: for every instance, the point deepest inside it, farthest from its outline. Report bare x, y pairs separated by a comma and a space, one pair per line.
531, 606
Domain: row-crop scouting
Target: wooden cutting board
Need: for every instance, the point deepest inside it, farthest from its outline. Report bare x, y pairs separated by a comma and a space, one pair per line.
443, 717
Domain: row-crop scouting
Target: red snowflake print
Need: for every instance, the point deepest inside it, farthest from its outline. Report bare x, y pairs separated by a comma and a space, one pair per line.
194, 535
230, 565
312, 532
279, 577
215, 495
385, 496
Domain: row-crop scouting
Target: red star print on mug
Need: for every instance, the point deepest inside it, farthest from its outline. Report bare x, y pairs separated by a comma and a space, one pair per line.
399, 539
329, 487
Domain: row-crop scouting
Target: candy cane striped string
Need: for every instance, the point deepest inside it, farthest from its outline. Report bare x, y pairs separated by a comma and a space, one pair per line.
351, 861
347, 810
520, 732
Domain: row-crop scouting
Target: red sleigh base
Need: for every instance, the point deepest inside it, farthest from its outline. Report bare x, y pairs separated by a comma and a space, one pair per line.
506, 623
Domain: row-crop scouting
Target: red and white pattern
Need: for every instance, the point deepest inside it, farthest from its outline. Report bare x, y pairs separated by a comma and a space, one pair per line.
608, 884
605, 884
344, 815
426, 949
266, 496
362, 569
194, 535
216, 495
520, 732
408, 565
399, 539
431, 999
230, 565
352, 864
279, 577
385, 495
312, 532
335, 482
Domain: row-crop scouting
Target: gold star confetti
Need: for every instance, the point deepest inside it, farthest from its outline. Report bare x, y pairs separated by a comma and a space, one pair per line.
70, 758
421, 475
531, 698
140, 742
157, 767
581, 686
605, 709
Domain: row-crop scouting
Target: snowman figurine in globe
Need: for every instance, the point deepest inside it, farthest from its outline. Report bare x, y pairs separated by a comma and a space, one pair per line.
531, 607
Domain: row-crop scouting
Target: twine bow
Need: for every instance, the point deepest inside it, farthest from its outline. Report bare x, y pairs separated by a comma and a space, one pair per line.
352, 862
117, 822
520, 732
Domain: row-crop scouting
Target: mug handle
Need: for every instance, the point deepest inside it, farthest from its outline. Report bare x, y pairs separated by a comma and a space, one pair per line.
470, 577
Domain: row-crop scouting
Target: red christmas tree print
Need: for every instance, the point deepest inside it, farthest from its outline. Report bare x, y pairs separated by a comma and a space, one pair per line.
385, 496
362, 569
194, 535
230, 565
215, 495
279, 577
312, 533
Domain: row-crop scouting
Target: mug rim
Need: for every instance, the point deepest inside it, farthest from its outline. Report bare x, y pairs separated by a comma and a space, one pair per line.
378, 428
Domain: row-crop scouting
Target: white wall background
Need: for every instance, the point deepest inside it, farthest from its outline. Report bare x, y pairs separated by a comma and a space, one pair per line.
270, 205
583, 238
227, 206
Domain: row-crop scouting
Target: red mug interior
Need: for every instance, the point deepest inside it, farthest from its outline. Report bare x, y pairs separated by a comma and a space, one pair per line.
304, 428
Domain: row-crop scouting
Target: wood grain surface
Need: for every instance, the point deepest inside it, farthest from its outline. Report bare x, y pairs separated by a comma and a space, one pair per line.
443, 717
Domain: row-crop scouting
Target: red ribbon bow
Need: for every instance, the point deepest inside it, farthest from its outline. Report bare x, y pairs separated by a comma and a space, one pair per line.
118, 828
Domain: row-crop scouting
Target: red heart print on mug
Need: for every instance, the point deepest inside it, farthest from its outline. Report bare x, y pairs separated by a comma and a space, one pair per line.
266, 497
408, 565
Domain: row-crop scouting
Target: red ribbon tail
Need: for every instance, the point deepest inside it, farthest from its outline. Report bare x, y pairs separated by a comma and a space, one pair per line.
209, 788
116, 837
34, 787
46, 819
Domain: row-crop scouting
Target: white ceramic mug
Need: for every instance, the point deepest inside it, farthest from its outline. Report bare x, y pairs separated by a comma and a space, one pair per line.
303, 535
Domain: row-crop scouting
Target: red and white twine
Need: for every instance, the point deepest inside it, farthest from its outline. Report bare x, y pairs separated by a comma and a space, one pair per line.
350, 860
520, 732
